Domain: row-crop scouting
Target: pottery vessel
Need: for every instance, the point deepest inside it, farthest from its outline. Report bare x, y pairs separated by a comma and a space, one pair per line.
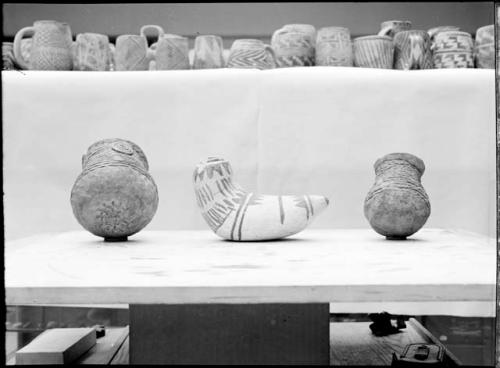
334, 47
485, 56
397, 205
485, 35
91, 52
392, 27
208, 52
50, 48
251, 53
453, 49
373, 52
8, 59
412, 50
114, 196
132, 53
235, 214
171, 53
294, 45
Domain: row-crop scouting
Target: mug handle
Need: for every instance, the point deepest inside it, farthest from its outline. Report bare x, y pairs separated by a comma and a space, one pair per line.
276, 34
271, 52
160, 30
17, 46
385, 31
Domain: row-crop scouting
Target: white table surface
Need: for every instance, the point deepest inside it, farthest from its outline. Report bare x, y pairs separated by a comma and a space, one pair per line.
337, 266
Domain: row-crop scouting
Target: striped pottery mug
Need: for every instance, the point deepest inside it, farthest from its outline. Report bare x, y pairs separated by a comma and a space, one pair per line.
334, 47
412, 50
294, 45
373, 52
392, 27
251, 53
8, 56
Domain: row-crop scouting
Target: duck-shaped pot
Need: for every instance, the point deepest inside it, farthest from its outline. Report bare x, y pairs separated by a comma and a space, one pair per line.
397, 205
114, 196
235, 214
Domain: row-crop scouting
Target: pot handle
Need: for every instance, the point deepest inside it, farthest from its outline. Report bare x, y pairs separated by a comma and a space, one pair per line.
385, 31
17, 46
159, 29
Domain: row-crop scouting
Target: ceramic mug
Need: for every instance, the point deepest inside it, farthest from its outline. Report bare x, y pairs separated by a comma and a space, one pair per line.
412, 50
208, 52
294, 45
132, 53
485, 35
50, 49
334, 47
91, 52
251, 53
392, 27
373, 52
8, 56
453, 49
171, 53
484, 56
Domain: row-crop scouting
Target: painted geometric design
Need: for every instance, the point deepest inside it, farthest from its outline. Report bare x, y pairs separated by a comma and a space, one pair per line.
334, 47
373, 53
91, 52
451, 41
294, 46
131, 53
453, 60
250, 55
235, 214
412, 50
208, 52
172, 53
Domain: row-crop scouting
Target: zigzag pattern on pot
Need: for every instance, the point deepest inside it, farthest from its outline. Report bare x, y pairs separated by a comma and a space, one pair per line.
456, 42
234, 214
249, 59
373, 54
453, 60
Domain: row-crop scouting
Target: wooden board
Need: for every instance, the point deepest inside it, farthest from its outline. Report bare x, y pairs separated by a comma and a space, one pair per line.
106, 347
352, 343
314, 266
229, 334
57, 346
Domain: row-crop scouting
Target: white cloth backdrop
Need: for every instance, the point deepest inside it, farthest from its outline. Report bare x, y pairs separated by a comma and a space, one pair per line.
298, 130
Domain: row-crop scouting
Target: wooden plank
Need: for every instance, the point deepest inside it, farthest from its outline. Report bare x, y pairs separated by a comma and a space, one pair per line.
229, 334
352, 343
353, 265
106, 347
57, 346
122, 356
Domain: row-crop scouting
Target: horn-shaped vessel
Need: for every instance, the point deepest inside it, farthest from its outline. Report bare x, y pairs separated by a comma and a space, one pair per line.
235, 214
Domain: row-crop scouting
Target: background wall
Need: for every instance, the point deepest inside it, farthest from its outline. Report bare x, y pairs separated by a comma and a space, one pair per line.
238, 20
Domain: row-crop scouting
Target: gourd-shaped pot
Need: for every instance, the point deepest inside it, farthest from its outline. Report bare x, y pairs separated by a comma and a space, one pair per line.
114, 196
235, 214
397, 205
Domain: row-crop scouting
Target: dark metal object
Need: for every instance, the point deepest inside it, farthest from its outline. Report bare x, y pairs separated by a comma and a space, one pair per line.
382, 325
421, 355
100, 331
